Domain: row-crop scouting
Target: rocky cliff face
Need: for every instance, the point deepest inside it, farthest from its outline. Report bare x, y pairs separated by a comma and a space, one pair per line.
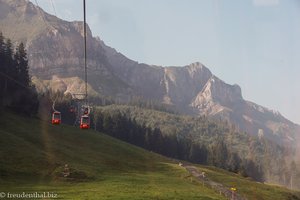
55, 51
55, 47
182, 84
193, 89
217, 92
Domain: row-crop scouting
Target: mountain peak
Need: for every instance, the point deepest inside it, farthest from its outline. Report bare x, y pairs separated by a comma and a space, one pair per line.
14, 3
223, 92
196, 64
216, 96
24, 7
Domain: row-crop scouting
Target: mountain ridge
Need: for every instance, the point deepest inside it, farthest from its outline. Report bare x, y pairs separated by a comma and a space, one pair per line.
55, 46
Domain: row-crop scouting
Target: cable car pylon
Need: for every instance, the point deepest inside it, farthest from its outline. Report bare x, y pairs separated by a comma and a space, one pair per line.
85, 115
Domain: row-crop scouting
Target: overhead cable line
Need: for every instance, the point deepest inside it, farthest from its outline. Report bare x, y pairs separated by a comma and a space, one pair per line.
12, 79
53, 7
42, 16
85, 54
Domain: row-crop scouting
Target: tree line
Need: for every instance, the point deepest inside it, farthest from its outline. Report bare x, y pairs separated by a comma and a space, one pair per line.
119, 125
16, 90
205, 137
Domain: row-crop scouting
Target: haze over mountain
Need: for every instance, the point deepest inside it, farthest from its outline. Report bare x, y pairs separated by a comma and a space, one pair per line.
55, 52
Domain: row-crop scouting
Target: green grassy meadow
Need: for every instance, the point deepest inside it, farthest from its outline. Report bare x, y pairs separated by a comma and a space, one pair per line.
248, 188
33, 154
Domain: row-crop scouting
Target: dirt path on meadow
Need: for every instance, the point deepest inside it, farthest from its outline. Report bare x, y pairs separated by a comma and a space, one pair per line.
200, 176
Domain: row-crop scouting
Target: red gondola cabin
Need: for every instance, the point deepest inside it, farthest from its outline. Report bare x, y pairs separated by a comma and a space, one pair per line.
85, 122
56, 117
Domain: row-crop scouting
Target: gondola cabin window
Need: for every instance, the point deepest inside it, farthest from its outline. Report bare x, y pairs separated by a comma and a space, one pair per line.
56, 117
85, 122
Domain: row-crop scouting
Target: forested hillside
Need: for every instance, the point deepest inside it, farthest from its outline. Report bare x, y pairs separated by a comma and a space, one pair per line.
199, 140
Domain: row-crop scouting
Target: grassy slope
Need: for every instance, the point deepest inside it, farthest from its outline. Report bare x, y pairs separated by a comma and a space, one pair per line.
247, 188
32, 151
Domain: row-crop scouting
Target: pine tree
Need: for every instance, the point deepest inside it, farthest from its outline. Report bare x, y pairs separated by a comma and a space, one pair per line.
16, 91
2, 69
218, 154
2, 47
22, 65
8, 66
194, 153
233, 163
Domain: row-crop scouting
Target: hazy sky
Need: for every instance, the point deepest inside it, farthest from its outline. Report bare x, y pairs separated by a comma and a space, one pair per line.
254, 43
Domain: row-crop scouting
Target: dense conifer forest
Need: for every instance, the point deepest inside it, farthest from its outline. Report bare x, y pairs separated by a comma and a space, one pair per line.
16, 91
